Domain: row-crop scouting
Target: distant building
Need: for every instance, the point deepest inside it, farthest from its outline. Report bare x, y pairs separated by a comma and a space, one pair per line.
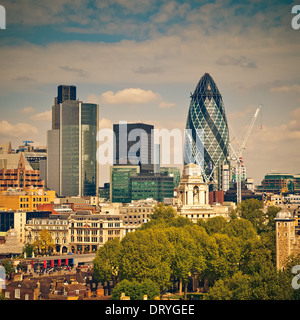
192, 196
90, 231
277, 182
172, 172
136, 213
120, 182
231, 194
26, 200
287, 237
207, 138
16, 172
153, 185
104, 192
65, 93
72, 146
135, 146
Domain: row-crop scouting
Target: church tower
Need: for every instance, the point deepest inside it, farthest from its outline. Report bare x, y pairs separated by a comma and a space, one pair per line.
285, 237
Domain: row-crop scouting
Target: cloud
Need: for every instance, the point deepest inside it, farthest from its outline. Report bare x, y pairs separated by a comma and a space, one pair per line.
165, 105
147, 70
129, 96
79, 72
16, 130
242, 62
27, 110
46, 115
105, 123
287, 89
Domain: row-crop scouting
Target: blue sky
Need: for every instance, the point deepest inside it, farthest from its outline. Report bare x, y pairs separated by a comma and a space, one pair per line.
118, 49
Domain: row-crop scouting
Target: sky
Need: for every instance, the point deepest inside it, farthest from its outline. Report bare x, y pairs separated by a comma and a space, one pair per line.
141, 59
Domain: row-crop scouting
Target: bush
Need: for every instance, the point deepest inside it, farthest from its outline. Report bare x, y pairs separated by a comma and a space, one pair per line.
136, 290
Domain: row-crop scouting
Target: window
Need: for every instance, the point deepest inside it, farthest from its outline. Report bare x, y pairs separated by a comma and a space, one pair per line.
7, 294
17, 293
26, 296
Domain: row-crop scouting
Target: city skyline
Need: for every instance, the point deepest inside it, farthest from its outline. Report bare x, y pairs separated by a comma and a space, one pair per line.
139, 60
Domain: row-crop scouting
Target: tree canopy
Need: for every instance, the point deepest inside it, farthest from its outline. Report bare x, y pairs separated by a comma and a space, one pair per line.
234, 259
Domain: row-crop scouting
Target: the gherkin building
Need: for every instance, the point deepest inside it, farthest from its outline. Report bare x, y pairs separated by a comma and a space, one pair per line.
206, 135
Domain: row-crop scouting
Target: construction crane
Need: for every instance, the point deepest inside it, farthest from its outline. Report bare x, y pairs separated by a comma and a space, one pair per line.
238, 157
26, 142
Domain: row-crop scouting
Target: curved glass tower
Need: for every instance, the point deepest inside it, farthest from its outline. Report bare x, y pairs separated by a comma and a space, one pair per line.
207, 137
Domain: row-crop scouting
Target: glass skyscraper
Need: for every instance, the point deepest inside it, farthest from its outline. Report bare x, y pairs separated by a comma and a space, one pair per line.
72, 147
207, 137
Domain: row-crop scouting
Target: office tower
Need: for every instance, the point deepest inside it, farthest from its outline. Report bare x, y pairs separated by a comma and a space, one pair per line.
72, 146
65, 93
207, 137
120, 182
157, 186
172, 172
134, 145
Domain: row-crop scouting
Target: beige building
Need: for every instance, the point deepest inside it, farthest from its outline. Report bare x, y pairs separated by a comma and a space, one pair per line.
58, 227
287, 237
136, 213
192, 196
90, 231
77, 232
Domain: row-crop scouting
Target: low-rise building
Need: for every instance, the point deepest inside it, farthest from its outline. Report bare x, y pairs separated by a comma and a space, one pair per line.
136, 213
26, 200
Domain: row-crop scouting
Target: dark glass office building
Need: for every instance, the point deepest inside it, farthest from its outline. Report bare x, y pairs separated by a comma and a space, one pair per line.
207, 136
134, 145
72, 147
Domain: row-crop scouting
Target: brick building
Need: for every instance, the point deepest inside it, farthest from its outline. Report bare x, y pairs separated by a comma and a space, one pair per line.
16, 172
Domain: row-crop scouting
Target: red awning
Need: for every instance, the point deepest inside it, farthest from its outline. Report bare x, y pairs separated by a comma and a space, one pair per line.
67, 261
45, 264
59, 262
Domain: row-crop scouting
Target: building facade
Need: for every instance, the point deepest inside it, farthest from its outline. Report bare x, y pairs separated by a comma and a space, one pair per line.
72, 146
135, 214
16, 172
154, 185
135, 145
192, 196
120, 182
25, 200
287, 237
207, 135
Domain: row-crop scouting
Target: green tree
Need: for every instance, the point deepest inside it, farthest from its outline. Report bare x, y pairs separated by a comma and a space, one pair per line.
240, 229
28, 249
182, 261
130, 288
146, 254
136, 290
150, 289
270, 216
7, 266
161, 211
214, 225
106, 262
225, 262
251, 209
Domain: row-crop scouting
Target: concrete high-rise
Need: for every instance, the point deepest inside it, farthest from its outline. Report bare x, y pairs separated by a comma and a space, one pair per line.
207, 136
72, 146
